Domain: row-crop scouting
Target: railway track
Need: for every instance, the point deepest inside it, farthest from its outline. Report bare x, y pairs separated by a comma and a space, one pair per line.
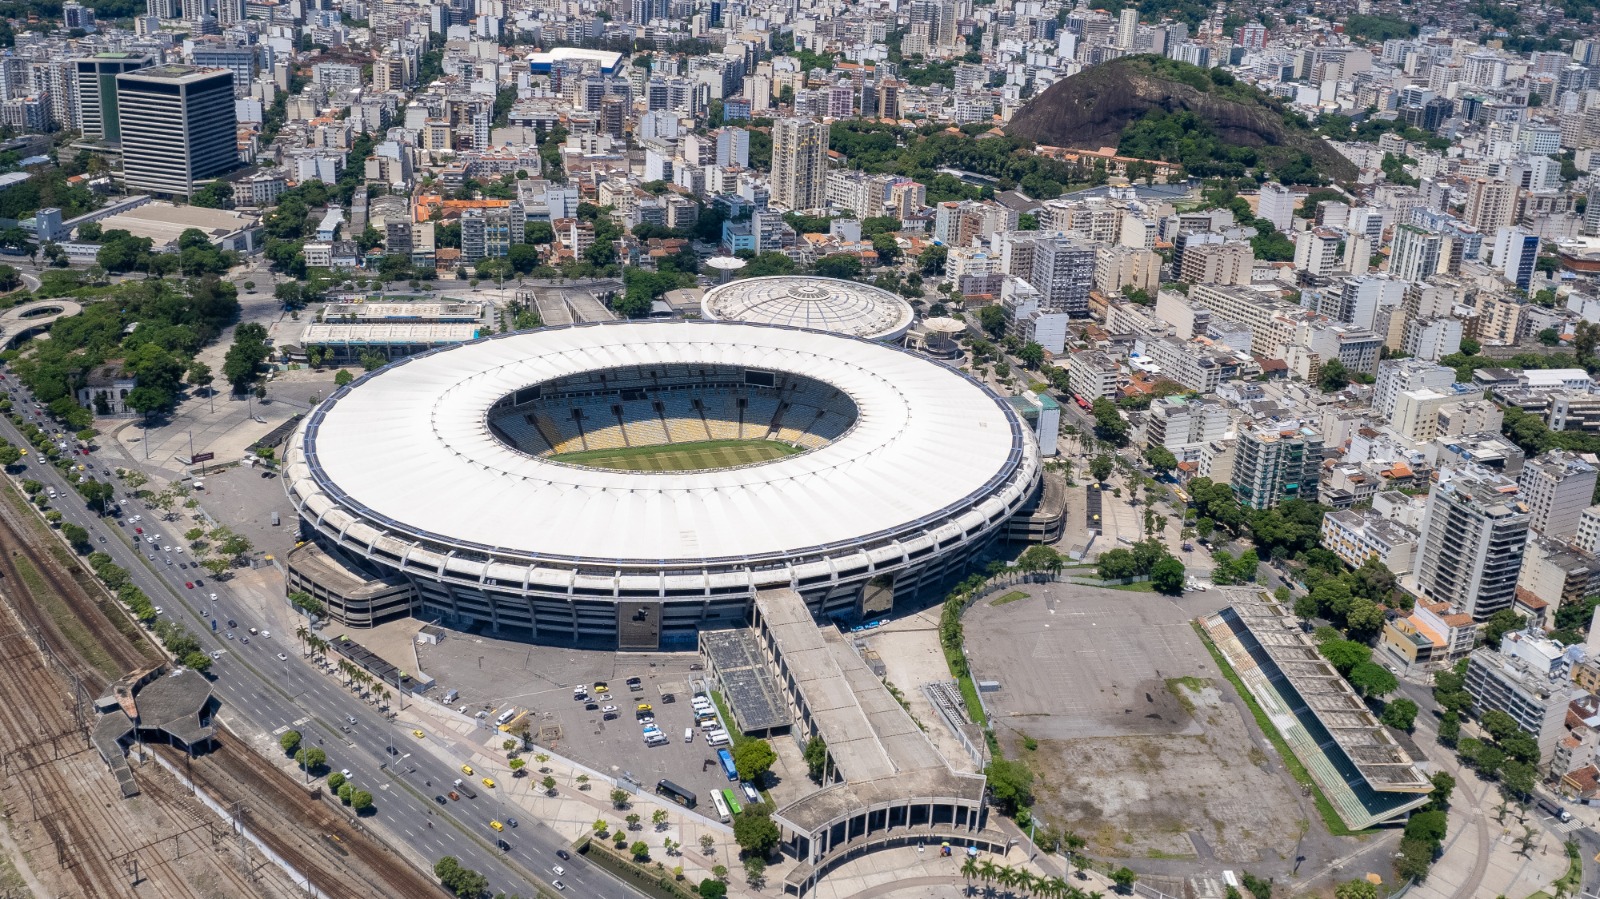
83, 605
318, 841
69, 793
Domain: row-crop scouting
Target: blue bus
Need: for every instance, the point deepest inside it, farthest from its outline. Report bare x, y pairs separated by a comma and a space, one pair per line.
726, 758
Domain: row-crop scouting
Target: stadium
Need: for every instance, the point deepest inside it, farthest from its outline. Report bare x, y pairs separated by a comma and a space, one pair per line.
629, 483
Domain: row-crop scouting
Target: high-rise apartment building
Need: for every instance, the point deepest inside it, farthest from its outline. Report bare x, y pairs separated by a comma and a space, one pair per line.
1515, 253
1415, 254
1272, 464
178, 128
799, 164
1396, 376
1277, 205
490, 231
1063, 272
97, 92
1528, 679
1127, 27
1490, 204
1557, 487
1474, 531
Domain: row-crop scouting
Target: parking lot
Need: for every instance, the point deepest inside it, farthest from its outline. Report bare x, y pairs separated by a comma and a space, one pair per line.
492, 676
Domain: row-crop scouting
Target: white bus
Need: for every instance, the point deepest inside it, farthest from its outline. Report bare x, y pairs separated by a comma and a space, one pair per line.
722, 806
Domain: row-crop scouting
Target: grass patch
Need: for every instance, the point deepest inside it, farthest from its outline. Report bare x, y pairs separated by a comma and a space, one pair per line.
1181, 687
1013, 596
1170, 856
969, 689
1136, 587
682, 456
735, 736
1330, 818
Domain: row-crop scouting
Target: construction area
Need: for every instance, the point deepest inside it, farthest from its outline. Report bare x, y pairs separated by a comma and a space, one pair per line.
70, 831
1136, 740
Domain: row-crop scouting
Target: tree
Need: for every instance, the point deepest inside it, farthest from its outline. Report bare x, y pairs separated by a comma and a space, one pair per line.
1011, 784
1108, 422
753, 759
846, 266
343, 377
464, 882
659, 818
336, 781
755, 869
1499, 624
76, 536
1373, 680
619, 798
1400, 714
1356, 889
1124, 879
992, 319
1100, 467
1167, 576
290, 741
311, 758
755, 831
1334, 376
713, 889
708, 843
360, 800
1160, 458
633, 820
1346, 655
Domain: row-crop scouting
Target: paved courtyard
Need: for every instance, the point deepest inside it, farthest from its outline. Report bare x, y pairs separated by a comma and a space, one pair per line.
1140, 745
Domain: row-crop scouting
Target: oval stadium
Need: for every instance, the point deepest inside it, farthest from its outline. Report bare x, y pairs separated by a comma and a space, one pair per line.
628, 483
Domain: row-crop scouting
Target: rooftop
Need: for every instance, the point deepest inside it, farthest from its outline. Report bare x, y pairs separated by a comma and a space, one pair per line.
1329, 697
825, 304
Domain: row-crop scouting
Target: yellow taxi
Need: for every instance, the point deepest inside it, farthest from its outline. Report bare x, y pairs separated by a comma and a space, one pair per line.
466, 769
497, 826
488, 782
645, 707
418, 734
600, 686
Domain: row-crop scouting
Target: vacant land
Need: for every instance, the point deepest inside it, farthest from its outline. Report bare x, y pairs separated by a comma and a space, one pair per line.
1140, 745
682, 456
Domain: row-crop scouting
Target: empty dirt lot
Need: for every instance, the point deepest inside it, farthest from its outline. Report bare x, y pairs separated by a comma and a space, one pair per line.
1141, 745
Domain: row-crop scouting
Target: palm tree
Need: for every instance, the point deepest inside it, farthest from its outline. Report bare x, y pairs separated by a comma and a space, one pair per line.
969, 870
1006, 876
987, 872
300, 634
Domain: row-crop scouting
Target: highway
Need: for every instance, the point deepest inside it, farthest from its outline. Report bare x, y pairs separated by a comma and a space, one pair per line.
257, 688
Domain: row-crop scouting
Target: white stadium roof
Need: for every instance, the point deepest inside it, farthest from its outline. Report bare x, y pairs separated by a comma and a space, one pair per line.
407, 450
826, 304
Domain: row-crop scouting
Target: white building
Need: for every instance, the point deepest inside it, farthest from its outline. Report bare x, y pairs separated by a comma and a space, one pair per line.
1557, 487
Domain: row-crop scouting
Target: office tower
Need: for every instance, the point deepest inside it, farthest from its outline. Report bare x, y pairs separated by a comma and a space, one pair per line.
1415, 254
178, 128
1557, 487
1272, 464
1490, 204
1515, 252
97, 92
799, 164
1277, 205
1473, 534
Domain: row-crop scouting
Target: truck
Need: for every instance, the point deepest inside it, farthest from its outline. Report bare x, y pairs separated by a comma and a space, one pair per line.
465, 789
1554, 810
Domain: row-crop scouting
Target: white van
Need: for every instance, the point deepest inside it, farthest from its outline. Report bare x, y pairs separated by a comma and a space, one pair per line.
688, 735
505, 716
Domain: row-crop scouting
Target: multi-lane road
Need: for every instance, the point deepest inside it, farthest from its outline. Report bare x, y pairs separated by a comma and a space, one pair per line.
257, 689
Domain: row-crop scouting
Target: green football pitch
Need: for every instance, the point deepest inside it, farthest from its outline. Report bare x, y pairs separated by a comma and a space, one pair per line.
681, 456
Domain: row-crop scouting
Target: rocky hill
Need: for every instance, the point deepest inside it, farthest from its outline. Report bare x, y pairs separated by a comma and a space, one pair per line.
1246, 128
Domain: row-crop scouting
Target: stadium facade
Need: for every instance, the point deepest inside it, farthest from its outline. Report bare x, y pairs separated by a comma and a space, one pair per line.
443, 485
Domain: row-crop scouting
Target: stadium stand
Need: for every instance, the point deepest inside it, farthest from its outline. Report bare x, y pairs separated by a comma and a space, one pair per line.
677, 404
